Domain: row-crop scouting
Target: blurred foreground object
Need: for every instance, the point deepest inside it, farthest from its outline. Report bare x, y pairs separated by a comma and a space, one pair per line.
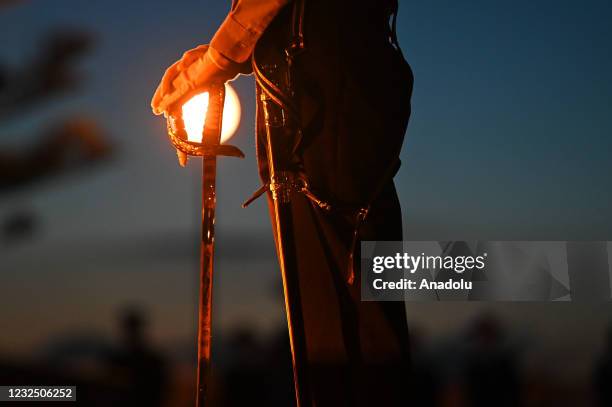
73, 144
6, 3
70, 145
52, 71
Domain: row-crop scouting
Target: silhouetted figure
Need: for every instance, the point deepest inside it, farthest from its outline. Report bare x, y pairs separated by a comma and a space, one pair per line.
245, 378
3, 79
492, 377
603, 375
261, 372
18, 227
136, 366
424, 385
279, 376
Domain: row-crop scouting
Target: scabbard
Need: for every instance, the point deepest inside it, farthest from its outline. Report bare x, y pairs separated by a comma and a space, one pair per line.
282, 188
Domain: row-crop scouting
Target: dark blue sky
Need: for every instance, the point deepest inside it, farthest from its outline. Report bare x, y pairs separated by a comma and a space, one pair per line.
511, 130
510, 136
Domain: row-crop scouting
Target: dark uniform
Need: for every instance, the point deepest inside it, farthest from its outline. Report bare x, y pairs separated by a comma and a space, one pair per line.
352, 90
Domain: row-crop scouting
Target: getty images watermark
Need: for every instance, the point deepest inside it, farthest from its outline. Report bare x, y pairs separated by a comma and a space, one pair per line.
403, 262
486, 271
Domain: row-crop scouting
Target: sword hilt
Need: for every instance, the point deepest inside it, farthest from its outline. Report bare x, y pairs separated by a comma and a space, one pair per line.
211, 133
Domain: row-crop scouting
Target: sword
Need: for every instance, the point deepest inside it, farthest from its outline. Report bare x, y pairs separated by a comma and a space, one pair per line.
282, 137
283, 184
209, 150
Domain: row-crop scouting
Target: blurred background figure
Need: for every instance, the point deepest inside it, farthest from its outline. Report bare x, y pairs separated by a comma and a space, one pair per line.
491, 374
258, 369
138, 368
425, 382
603, 374
18, 227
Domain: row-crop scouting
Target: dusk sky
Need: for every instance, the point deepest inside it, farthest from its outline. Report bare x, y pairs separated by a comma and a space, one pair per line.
510, 138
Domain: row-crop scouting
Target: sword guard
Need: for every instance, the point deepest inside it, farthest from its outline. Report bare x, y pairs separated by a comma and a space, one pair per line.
204, 151
211, 133
185, 148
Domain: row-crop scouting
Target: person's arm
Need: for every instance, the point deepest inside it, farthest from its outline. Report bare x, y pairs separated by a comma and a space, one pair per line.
236, 37
229, 50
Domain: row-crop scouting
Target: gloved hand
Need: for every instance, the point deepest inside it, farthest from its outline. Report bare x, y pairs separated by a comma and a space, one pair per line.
191, 74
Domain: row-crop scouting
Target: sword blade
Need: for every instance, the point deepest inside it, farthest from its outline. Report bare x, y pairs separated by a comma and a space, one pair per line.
211, 136
207, 252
